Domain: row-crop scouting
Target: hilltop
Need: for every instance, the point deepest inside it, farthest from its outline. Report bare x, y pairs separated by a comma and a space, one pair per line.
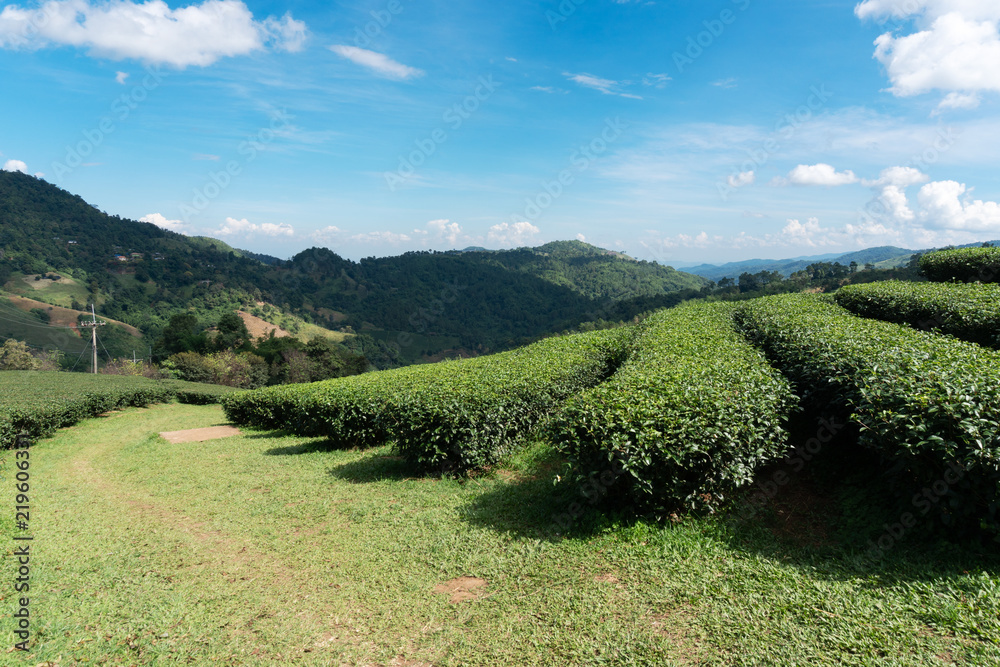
420, 303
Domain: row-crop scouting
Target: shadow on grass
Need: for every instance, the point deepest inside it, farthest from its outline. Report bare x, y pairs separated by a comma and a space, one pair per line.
837, 517
310, 447
379, 466
530, 503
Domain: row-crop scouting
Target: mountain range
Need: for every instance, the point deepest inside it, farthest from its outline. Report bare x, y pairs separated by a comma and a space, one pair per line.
882, 257
418, 303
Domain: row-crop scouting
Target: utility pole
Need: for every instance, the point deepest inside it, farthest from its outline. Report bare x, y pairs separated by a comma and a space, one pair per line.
93, 330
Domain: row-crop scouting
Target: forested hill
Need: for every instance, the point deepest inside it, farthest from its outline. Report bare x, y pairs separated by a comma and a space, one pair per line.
141, 274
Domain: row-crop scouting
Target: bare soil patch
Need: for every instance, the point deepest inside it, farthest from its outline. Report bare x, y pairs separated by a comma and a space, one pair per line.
199, 434
461, 589
259, 328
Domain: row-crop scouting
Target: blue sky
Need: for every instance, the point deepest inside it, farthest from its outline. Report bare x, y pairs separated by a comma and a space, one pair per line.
676, 131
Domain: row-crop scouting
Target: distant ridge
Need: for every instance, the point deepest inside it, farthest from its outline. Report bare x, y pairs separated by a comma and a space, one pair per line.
883, 257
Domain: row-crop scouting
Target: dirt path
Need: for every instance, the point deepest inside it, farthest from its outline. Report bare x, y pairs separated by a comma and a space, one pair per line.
298, 601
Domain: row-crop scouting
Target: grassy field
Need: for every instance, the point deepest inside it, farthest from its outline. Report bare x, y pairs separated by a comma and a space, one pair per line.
260, 549
59, 293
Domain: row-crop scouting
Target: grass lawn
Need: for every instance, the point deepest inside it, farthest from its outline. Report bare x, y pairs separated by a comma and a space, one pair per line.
260, 549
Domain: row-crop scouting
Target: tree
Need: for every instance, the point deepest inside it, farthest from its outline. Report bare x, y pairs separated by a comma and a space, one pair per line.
181, 335
15, 356
231, 333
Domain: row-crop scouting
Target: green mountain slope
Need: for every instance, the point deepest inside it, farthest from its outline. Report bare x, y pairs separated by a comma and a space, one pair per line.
141, 274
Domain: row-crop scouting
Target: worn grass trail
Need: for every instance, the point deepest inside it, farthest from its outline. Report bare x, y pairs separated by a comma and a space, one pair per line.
260, 550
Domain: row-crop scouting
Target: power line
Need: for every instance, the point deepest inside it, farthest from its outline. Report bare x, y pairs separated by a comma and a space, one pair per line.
29, 323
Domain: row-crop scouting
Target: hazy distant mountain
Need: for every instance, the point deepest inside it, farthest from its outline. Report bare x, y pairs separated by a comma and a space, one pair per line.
883, 256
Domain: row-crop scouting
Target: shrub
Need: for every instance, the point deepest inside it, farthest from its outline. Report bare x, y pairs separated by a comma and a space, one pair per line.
16, 356
962, 265
691, 415
450, 416
37, 403
243, 370
928, 403
473, 413
124, 366
33, 403
967, 311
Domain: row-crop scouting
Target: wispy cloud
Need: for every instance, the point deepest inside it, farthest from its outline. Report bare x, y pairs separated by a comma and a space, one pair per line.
606, 86
656, 80
379, 63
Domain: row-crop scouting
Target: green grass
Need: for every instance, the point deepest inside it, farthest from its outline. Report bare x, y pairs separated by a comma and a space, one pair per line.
264, 550
56, 293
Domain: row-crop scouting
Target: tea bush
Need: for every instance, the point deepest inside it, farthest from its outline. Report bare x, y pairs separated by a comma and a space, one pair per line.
967, 311
930, 404
963, 265
690, 416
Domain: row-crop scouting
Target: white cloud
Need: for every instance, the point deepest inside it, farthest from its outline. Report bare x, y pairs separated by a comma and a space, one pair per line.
512, 234
959, 101
725, 83
15, 165
234, 227
446, 230
740, 179
121, 77
927, 9
381, 237
327, 235
377, 62
150, 31
161, 221
581, 237
282, 229
809, 234
943, 207
955, 48
818, 174
898, 176
890, 205
286, 34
